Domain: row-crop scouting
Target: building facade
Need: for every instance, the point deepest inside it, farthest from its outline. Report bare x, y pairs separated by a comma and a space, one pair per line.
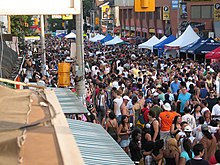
168, 18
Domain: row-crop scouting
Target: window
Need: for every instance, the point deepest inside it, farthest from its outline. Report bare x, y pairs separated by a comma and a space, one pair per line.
157, 13
195, 12
203, 12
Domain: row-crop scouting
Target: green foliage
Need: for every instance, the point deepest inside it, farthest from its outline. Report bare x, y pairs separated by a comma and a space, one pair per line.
87, 6
20, 26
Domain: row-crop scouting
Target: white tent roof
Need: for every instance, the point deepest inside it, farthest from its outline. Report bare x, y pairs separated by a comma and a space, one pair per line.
98, 37
149, 43
163, 38
188, 37
114, 41
71, 35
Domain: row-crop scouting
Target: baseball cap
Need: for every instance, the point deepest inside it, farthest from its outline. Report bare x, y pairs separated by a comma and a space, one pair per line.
167, 107
190, 78
126, 98
188, 129
205, 127
148, 101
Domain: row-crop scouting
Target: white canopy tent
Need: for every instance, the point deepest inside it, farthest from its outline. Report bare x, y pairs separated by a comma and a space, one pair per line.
188, 37
149, 43
98, 37
70, 35
115, 40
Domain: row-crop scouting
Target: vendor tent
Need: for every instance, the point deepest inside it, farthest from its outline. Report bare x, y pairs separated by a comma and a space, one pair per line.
114, 41
160, 45
163, 38
107, 38
188, 37
98, 37
186, 48
204, 46
214, 54
70, 35
61, 35
149, 43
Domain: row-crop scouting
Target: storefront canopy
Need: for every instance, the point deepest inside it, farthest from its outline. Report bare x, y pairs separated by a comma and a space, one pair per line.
214, 54
160, 45
98, 37
114, 41
204, 46
107, 38
188, 37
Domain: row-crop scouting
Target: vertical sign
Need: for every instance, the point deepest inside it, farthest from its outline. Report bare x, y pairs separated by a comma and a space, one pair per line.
216, 12
166, 13
106, 11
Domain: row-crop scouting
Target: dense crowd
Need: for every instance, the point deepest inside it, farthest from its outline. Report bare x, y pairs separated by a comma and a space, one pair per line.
160, 111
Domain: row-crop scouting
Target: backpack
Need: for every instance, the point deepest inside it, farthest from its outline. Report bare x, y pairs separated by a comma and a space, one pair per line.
141, 120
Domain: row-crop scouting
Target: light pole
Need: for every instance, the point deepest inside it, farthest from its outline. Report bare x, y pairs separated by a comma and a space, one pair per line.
43, 70
80, 85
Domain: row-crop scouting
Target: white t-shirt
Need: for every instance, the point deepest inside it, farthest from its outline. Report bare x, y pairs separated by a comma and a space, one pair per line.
120, 68
190, 120
216, 111
118, 102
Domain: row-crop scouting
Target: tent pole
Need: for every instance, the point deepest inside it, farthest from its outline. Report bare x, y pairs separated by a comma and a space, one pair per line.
194, 57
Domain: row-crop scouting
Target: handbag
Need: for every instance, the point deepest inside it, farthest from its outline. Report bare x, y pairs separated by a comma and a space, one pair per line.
118, 137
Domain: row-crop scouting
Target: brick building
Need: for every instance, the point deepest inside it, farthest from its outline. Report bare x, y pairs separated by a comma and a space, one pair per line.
198, 13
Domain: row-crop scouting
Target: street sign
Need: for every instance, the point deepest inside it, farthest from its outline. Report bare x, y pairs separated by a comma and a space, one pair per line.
216, 12
166, 13
175, 4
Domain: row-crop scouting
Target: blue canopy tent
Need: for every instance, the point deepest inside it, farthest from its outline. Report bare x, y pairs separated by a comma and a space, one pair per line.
160, 46
107, 38
204, 46
186, 48
61, 35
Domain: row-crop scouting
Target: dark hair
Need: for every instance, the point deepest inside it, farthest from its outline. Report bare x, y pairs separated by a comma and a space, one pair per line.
187, 110
135, 132
197, 149
182, 123
122, 120
157, 146
187, 146
134, 99
152, 114
112, 115
155, 101
175, 119
204, 102
207, 134
201, 120
217, 156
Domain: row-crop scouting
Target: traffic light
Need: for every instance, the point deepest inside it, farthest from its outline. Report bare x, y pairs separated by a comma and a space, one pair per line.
144, 5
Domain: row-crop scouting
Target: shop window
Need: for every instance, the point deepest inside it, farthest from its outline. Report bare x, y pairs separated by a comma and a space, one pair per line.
201, 12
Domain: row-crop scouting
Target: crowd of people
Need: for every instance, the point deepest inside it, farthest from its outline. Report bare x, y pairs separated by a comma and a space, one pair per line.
159, 110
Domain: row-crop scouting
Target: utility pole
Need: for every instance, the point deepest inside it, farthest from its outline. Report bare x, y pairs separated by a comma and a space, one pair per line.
43, 69
80, 85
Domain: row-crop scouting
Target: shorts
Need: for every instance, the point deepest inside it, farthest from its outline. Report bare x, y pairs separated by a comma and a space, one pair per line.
124, 143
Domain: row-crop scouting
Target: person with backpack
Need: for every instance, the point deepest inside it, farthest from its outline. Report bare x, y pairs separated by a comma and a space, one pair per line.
143, 115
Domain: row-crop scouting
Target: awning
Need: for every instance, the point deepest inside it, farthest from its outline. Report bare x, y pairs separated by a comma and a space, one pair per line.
69, 101
96, 145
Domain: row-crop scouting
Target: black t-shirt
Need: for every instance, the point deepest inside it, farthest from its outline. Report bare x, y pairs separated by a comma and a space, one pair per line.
135, 151
197, 162
211, 102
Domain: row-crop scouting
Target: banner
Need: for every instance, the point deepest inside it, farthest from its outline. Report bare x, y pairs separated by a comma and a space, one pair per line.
106, 11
